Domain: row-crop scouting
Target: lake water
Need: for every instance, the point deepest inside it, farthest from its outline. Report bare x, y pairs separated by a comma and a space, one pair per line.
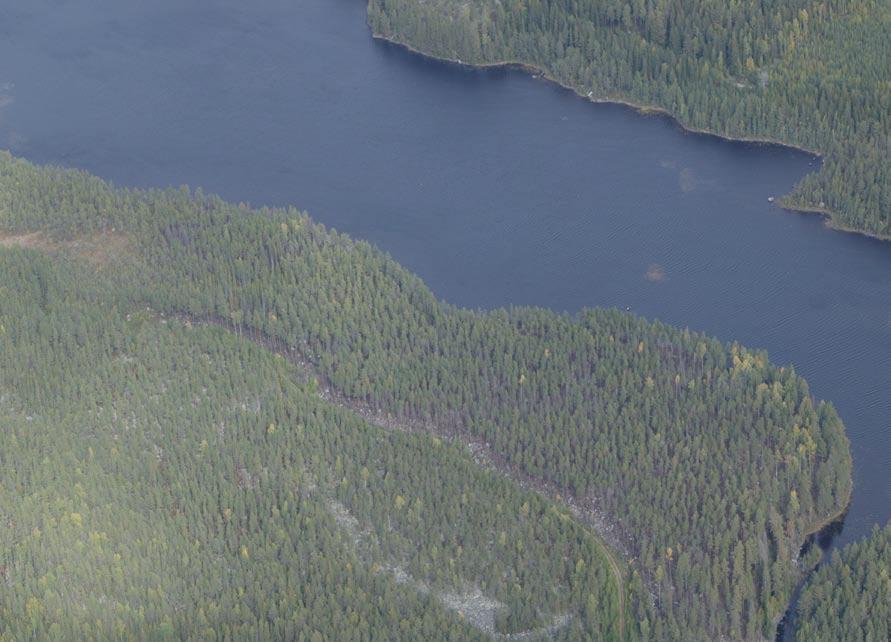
493, 186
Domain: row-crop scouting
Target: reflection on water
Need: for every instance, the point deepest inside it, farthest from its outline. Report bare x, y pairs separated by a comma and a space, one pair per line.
655, 273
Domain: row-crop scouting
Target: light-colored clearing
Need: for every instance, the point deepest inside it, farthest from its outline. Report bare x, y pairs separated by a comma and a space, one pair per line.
98, 250
471, 604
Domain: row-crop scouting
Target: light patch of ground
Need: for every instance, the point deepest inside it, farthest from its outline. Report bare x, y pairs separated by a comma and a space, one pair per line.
32, 240
471, 604
347, 522
101, 249
98, 250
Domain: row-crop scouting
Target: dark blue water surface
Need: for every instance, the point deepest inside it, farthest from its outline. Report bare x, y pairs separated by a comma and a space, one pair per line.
493, 186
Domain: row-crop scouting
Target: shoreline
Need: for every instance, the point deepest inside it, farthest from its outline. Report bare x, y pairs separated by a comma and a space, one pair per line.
638, 107
829, 221
830, 217
832, 519
811, 537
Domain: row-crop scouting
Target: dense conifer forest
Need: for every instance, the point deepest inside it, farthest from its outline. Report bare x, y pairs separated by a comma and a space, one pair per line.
230, 423
162, 481
849, 598
811, 73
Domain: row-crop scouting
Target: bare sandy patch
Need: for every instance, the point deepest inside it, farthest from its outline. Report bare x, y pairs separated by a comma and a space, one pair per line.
98, 250
30, 240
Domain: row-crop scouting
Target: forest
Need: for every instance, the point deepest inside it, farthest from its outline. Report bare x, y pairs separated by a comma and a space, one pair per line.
849, 598
229, 423
809, 73
162, 481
